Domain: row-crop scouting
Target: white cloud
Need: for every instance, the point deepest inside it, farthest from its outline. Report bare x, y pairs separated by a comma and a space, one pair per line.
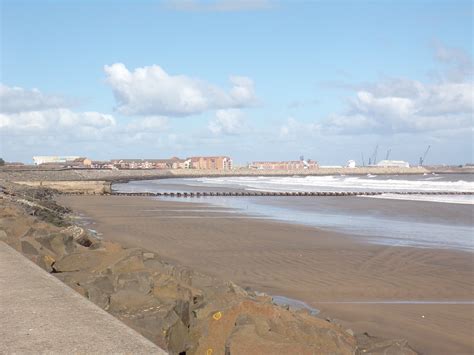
227, 122
399, 106
38, 129
27, 112
457, 62
33, 125
403, 105
218, 5
148, 124
16, 99
62, 122
150, 91
294, 129
295, 104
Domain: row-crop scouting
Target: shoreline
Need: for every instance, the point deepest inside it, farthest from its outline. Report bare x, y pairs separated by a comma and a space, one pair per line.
332, 266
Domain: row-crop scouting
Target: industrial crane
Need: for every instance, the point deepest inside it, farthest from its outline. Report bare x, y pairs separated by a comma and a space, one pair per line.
423, 158
373, 159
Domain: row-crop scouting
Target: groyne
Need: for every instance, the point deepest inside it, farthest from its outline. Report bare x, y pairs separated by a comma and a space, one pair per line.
289, 194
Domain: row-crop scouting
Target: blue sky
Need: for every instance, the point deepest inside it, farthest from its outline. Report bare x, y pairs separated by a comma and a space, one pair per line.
251, 79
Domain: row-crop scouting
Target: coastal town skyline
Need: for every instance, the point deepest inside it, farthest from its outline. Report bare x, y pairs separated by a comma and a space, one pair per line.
255, 80
212, 162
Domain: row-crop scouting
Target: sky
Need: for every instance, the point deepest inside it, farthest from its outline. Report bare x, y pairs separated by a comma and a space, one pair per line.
254, 80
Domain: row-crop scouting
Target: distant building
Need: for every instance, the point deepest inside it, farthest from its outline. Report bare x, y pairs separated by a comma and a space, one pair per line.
351, 164
284, 165
172, 163
81, 162
210, 163
97, 164
38, 160
184, 164
393, 164
130, 163
158, 164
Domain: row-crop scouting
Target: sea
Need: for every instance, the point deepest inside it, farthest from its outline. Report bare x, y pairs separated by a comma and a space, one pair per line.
425, 221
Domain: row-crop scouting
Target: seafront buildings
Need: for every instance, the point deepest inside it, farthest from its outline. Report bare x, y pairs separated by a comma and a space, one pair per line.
196, 162
393, 164
199, 162
220, 162
213, 163
284, 165
172, 163
38, 160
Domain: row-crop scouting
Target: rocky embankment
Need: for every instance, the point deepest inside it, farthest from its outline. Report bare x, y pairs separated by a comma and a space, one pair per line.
183, 311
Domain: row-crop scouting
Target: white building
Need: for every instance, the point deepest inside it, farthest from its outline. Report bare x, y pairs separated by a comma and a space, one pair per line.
351, 164
393, 164
53, 159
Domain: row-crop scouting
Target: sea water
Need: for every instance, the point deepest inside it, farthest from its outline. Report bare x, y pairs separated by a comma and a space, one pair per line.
431, 221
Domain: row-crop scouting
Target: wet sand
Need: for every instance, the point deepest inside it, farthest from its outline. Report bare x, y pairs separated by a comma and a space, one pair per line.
319, 267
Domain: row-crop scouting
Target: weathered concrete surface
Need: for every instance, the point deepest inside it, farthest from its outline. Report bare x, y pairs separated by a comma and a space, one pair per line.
40, 314
84, 187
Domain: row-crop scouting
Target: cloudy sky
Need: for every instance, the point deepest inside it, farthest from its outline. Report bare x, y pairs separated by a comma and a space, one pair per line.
256, 79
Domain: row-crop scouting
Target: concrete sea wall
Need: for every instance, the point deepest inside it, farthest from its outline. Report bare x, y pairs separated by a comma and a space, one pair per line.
82, 187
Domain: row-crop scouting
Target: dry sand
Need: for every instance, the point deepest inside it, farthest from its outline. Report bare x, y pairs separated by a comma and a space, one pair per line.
319, 267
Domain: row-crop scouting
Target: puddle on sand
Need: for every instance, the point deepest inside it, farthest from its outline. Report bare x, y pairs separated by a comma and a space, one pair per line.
294, 304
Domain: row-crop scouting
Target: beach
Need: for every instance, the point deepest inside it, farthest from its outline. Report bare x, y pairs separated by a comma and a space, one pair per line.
421, 294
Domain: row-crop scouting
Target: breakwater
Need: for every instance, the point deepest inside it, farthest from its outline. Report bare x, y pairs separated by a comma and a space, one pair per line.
150, 174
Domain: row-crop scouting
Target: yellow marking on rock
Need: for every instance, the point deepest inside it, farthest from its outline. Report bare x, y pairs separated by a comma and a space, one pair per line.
217, 315
48, 259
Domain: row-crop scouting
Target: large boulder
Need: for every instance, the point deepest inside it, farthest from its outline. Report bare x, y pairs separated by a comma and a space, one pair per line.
130, 301
368, 344
84, 260
251, 327
140, 281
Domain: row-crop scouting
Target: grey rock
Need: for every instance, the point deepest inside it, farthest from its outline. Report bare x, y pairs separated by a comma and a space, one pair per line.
147, 256
28, 248
98, 296
140, 281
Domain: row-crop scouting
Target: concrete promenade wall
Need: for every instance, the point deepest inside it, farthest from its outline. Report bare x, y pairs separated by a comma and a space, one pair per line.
41, 315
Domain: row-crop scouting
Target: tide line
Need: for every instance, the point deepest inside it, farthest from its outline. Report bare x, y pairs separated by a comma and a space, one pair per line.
397, 302
189, 210
207, 217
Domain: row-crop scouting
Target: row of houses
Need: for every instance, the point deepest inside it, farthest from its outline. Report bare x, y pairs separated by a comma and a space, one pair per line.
198, 162
284, 165
204, 163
